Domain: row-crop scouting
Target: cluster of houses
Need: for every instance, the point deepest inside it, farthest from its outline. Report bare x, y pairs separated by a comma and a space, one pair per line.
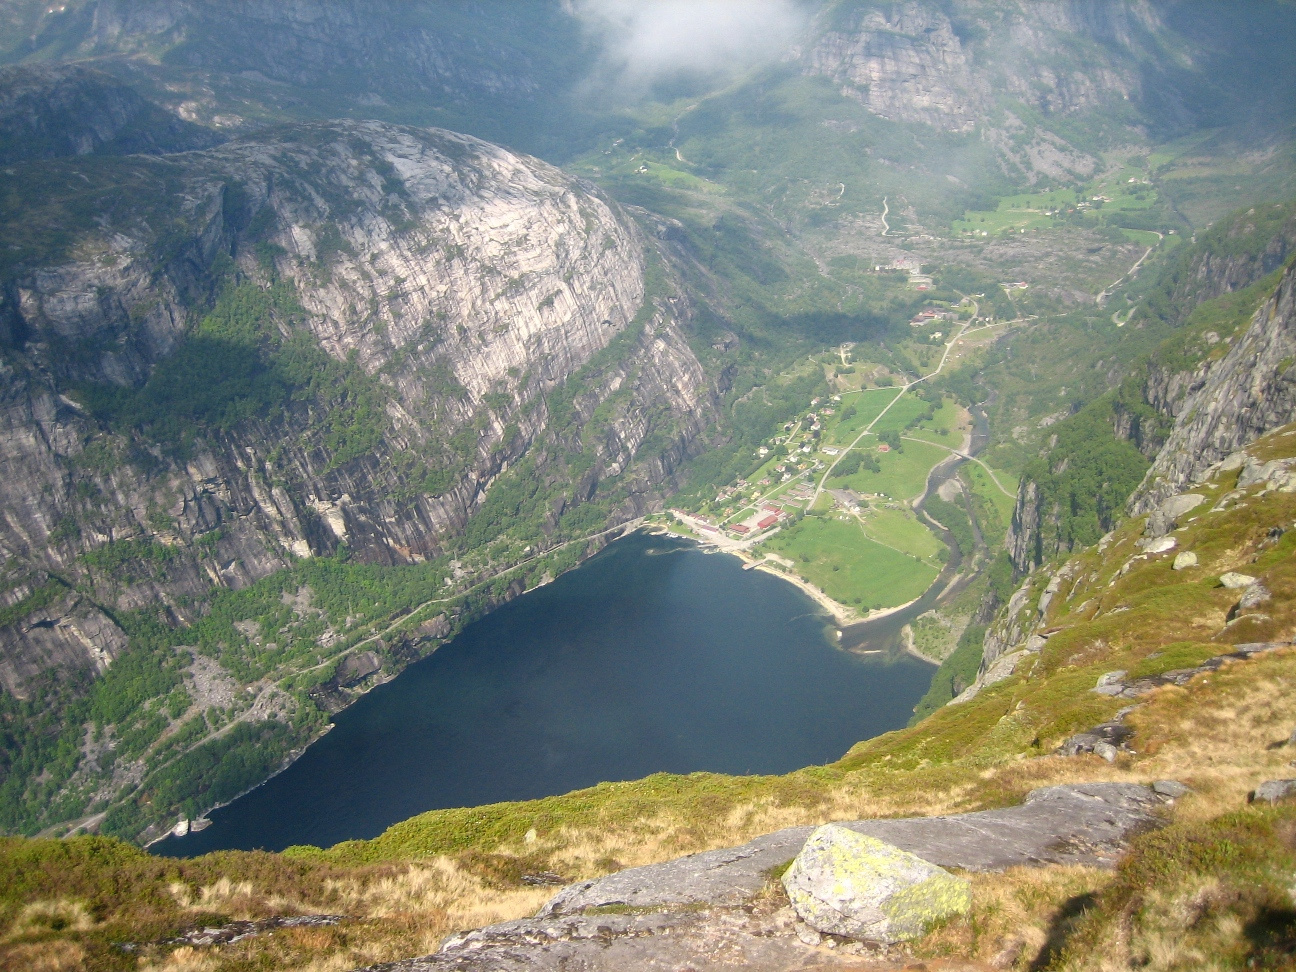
929, 314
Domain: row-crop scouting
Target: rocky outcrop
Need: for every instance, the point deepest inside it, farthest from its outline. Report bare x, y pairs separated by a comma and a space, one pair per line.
1251, 391
463, 287
1230, 256
381, 57
847, 884
905, 63
950, 67
685, 913
71, 635
51, 112
1235, 254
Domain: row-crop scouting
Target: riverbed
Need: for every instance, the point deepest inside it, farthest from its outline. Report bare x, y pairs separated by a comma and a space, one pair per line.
651, 657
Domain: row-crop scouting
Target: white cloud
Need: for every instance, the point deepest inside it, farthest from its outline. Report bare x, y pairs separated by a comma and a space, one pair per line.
651, 40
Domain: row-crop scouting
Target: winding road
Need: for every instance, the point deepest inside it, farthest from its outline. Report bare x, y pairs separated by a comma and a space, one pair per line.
868, 429
1130, 272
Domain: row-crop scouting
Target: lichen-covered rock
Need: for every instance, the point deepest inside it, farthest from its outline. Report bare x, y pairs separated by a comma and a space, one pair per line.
1235, 581
1184, 560
848, 884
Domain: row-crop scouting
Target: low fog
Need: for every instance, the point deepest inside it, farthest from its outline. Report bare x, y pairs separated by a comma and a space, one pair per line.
649, 41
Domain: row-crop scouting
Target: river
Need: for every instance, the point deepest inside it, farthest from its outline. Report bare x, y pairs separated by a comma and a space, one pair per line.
652, 656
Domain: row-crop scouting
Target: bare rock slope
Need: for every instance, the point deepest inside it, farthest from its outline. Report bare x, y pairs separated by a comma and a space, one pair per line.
1251, 391
705, 911
454, 285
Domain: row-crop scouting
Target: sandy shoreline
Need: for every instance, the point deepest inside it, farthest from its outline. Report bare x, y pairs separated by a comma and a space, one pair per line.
841, 613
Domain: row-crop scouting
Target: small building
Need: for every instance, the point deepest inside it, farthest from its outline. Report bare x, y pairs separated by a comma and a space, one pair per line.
884, 448
766, 523
742, 529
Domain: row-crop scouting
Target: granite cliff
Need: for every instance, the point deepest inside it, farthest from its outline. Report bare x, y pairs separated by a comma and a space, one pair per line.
1242, 396
1204, 302
1234, 399
392, 342
1043, 83
458, 284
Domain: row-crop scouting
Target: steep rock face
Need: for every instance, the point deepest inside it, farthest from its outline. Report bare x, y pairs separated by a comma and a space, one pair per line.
945, 67
211, 61
1251, 391
304, 42
462, 286
49, 112
1239, 253
1233, 255
905, 63
1023, 540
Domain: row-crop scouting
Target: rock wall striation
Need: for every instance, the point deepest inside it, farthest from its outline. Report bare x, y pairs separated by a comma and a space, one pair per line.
463, 286
1250, 391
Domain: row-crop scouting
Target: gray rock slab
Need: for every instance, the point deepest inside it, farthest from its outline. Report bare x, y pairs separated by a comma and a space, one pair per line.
1235, 581
1170, 789
1273, 791
701, 912
719, 877
1084, 824
629, 943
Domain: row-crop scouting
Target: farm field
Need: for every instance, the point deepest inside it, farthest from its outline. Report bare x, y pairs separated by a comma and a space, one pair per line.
902, 475
837, 557
901, 529
867, 404
902, 413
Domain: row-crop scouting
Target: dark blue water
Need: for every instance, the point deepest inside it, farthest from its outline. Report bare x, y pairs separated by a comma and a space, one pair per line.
651, 656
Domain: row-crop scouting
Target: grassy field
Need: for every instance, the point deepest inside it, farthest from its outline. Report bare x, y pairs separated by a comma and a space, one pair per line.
837, 557
867, 405
901, 529
994, 509
1015, 213
901, 414
1141, 237
902, 475
940, 429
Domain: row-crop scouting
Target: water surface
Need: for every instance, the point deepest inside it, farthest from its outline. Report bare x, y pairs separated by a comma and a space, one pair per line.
652, 656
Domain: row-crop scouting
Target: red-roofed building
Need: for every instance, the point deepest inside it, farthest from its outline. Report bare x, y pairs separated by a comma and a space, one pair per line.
740, 528
766, 523
771, 508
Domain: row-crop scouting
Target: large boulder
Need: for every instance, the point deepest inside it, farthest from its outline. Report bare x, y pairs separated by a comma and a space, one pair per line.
848, 884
